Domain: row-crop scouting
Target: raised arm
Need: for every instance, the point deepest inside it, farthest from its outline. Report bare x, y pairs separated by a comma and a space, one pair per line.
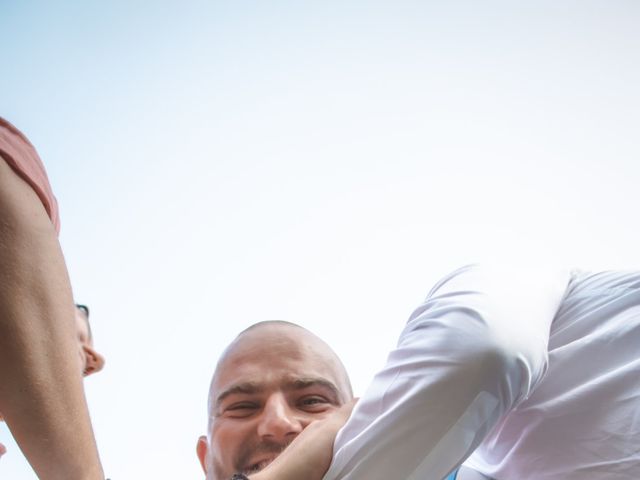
41, 393
474, 349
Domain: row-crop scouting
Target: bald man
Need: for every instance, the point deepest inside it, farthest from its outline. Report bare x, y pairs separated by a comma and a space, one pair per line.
273, 381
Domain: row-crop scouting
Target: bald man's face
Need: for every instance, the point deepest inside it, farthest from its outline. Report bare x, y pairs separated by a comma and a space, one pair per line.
271, 383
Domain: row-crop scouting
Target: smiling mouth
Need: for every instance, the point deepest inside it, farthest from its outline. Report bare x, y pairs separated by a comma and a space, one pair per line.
256, 467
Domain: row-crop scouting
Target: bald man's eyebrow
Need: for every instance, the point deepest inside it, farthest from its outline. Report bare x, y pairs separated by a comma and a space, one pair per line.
247, 388
252, 388
302, 383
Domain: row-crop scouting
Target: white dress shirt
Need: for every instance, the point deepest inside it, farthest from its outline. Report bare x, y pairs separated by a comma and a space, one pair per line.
536, 371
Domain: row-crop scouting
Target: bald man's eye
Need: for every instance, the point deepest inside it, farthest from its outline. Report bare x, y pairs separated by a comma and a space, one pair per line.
241, 409
314, 403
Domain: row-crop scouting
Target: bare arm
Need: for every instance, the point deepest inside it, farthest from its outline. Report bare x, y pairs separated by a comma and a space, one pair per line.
41, 393
309, 455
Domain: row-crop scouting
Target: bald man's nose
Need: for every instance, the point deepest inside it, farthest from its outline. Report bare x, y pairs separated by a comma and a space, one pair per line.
279, 421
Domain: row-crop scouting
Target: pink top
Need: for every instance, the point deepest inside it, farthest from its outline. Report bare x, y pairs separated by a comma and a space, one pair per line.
18, 152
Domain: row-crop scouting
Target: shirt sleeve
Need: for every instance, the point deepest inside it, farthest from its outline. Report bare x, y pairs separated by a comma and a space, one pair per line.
475, 348
22, 157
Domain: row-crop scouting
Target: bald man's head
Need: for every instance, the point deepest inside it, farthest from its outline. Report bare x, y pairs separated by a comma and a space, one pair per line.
271, 382
275, 338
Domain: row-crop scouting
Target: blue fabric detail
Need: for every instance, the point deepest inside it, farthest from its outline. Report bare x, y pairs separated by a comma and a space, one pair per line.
452, 476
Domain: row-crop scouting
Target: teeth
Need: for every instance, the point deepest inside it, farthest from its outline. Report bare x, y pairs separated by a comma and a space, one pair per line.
256, 467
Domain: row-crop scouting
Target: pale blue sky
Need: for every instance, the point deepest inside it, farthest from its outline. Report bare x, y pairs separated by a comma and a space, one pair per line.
221, 163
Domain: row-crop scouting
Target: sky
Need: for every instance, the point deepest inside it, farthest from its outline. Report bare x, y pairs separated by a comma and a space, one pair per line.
218, 163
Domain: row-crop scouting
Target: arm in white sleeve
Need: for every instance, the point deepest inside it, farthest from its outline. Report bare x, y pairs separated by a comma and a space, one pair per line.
475, 348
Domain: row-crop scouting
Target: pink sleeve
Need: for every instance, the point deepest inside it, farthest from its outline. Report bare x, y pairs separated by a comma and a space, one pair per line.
18, 152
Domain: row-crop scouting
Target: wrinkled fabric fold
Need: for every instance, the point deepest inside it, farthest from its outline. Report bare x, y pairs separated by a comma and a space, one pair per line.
22, 157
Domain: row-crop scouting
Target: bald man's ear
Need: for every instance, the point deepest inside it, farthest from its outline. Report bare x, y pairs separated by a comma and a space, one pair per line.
201, 450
